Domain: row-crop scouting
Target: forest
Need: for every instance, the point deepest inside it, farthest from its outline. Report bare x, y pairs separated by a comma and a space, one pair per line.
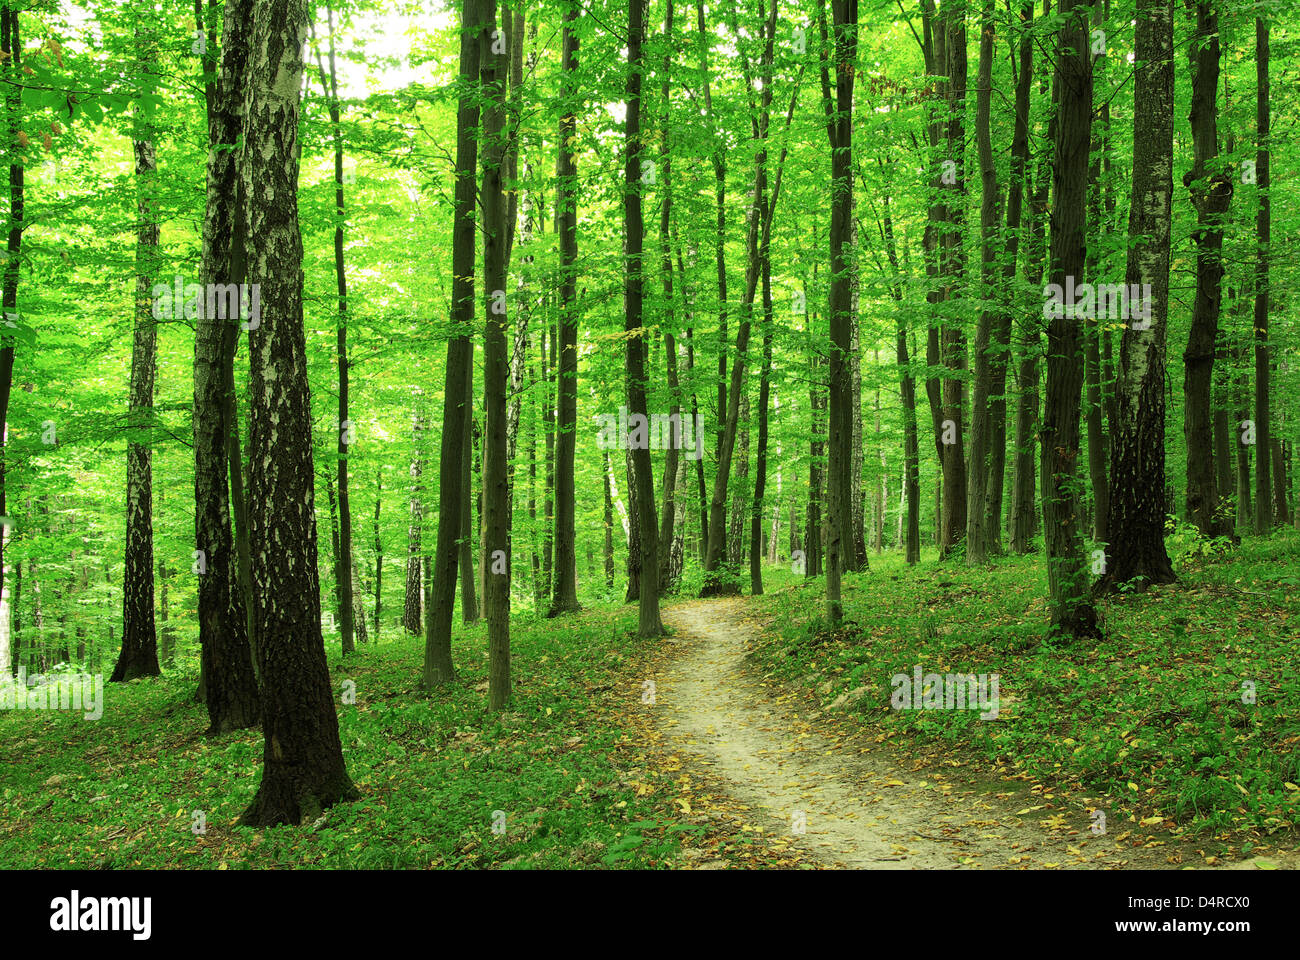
658, 434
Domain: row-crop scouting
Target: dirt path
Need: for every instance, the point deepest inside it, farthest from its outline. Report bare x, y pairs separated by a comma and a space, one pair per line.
858, 807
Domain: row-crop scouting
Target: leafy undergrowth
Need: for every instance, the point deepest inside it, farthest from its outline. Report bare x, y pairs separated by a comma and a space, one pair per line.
564, 766
1154, 724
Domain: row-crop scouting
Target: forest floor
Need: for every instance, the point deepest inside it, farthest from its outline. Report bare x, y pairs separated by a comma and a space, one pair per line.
791, 723
698, 749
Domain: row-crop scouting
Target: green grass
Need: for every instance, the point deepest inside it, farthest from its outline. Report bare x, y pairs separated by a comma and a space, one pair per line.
119, 792
1151, 719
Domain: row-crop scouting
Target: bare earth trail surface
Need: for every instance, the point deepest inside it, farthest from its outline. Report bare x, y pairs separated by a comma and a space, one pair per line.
858, 807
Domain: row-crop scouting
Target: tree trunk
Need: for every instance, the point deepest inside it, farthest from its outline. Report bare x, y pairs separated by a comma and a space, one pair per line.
1211, 193
303, 770
228, 666
411, 618
496, 527
977, 475
139, 656
453, 490
1263, 228
839, 126
1016, 224
649, 624
565, 599
1137, 549
1072, 613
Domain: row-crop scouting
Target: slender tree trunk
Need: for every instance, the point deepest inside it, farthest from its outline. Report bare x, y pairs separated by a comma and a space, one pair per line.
1263, 228
411, 618
977, 476
1015, 225
496, 528
839, 124
453, 492
139, 656
565, 599
649, 624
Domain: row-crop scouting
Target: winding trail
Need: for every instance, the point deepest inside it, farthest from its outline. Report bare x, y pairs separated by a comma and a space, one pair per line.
858, 807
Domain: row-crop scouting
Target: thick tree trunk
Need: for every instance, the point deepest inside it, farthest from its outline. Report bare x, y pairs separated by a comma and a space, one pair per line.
1211, 193
303, 770
1137, 550
1072, 612
228, 665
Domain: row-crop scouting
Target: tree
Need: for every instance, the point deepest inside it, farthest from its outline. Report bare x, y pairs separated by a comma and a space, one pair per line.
496, 529
224, 604
1210, 185
1072, 612
1136, 553
839, 129
453, 492
303, 770
565, 599
1263, 231
139, 656
649, 624
346, 432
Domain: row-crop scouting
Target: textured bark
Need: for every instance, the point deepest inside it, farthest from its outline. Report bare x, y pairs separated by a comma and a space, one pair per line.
10, 70
839, 128
1210, 186
609, 526
411, 614
303, 770
329, 84
649, 624
139, 656
565, 597
760, 462
977, 474
1137, 550
1281, 511
453, 490
379, 551
1094, 331
1263, 230
907, 389
813, 528
496, 526
228, 677
1072, 612
1016, 224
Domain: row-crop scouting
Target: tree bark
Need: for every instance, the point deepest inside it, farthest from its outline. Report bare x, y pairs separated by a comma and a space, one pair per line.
453, 490
303, 769
565, 599
228, 662
1137, 550
1072, 612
